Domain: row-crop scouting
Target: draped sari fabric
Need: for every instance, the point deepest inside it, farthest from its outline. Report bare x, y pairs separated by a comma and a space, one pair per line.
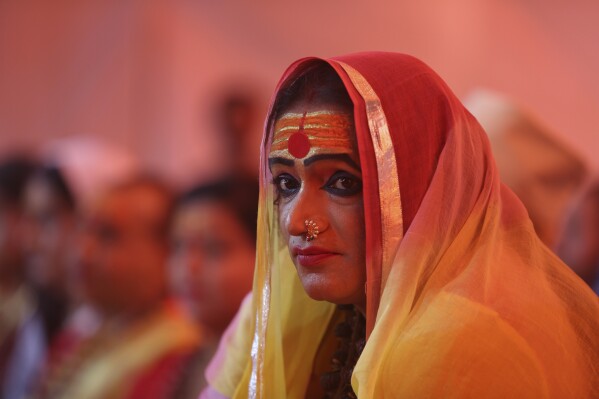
463, 300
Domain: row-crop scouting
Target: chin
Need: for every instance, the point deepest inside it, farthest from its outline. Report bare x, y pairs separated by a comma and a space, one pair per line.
326, 292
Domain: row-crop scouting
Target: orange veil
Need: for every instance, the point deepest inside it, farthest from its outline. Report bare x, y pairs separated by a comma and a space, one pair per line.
463, 300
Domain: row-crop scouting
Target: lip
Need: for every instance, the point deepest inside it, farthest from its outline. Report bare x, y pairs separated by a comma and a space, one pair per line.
311, 256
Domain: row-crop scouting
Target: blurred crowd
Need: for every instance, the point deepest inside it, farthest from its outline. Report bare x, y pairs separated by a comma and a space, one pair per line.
113, 284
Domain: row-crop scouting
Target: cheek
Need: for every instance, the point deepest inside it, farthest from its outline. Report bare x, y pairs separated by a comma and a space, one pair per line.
348, 222
206, 279
283, 215
54, 242
144, 254
111, 257
118, 261
155, 265
176, 273
235, 272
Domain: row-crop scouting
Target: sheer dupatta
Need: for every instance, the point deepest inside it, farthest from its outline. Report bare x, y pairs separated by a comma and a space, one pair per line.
463, 300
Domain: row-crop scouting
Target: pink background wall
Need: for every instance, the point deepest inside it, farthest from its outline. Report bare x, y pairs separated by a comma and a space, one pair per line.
143, 73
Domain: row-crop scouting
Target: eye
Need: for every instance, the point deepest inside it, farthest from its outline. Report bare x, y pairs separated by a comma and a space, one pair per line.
286, 185
343, 184
107, 234
217, 249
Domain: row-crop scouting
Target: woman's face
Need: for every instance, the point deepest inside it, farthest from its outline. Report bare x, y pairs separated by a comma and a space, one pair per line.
320, 180
212, 261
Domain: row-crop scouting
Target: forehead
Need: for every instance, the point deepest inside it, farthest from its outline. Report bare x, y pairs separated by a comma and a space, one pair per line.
137, 206
306, 129
205, 216
200, 214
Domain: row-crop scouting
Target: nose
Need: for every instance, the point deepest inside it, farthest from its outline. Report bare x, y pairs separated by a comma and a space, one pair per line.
304, 207
191, 264
28, 234
184, 266
86, 245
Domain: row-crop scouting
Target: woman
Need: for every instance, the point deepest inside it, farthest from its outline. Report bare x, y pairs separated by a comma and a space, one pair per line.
388, 199
22, 338
52, 225
75, 173
213, 235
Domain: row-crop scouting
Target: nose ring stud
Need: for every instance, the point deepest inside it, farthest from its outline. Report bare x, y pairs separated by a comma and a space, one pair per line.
311, 229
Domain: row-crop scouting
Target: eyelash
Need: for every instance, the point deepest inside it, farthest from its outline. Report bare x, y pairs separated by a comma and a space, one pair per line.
356, 185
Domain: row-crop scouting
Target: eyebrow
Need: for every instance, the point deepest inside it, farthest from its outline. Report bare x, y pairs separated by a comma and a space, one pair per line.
284, 161
337, 157
320, 157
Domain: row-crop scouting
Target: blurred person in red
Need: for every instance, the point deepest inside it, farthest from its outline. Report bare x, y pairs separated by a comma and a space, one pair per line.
22, 340
213, 237
139, 349
543, 172
579, 244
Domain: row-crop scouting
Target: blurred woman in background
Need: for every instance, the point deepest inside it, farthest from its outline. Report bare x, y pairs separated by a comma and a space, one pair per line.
212, 262
22, 337
75, 172
51, 243
579, 244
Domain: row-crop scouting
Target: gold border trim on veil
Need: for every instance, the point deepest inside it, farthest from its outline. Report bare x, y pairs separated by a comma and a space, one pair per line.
386, 165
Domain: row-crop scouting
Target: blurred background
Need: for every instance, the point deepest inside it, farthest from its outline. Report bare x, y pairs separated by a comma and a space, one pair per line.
149, 74
129, 144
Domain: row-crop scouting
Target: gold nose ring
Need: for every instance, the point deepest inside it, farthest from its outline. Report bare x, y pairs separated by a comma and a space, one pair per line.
311, 229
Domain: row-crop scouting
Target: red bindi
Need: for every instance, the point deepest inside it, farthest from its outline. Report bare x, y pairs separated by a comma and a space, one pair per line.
298, 144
